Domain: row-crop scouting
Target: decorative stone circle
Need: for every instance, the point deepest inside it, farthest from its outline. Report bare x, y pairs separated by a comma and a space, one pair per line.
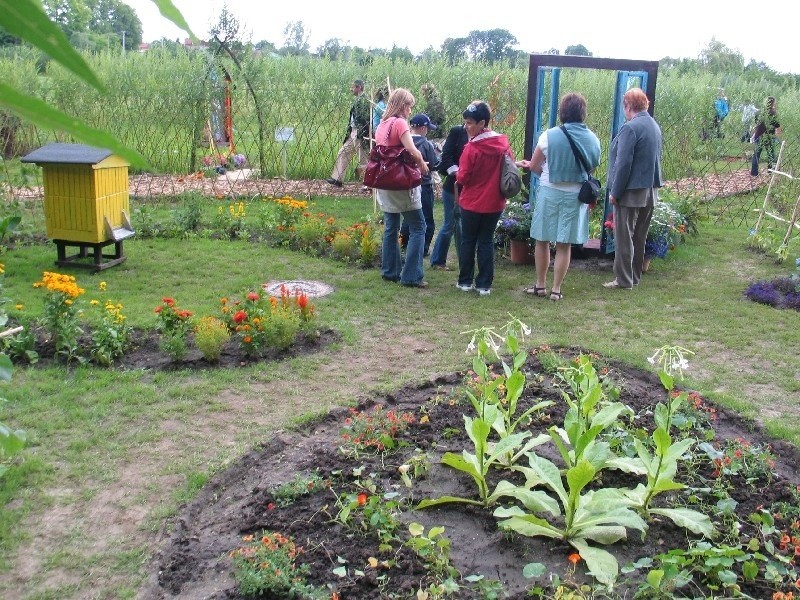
312, 289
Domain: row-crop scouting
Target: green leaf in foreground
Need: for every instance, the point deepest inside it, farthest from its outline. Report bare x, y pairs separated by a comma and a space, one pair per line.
168, 11
26, 19
41, 114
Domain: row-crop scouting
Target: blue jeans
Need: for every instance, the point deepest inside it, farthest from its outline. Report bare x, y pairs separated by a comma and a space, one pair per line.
426, 195
392, 266
451, 227
477, 238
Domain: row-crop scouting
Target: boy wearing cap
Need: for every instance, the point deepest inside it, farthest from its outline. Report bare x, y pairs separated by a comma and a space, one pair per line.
356, 140
420, 125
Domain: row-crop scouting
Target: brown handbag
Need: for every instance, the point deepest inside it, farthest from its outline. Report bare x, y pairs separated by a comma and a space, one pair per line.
391, 168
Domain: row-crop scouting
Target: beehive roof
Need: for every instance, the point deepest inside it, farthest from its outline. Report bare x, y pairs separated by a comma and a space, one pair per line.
76, 154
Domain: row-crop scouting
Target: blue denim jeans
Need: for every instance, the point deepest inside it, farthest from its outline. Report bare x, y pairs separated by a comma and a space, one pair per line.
451, 227
477, 238
426, 196
392, 266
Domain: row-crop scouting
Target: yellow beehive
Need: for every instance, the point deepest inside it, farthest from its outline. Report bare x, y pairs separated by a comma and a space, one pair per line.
84, 187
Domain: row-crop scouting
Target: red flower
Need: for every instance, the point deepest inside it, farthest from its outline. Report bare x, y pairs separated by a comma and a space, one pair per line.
271, 506
253, 296
158, 309
239, 316
302, 301
362, 499
574, 558
168, 301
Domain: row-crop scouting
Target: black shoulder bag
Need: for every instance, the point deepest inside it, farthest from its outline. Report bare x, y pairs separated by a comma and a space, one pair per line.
590, 190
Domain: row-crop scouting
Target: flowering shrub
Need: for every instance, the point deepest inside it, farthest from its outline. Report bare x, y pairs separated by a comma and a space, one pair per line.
739, 457
515, 223
783, 292
174, 324
60, 312
110, 338
376, 431
267, 566
210, 335
261, 323
230, 220
666, 228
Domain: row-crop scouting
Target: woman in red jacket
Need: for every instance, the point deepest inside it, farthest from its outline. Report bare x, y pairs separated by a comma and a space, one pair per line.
479, 197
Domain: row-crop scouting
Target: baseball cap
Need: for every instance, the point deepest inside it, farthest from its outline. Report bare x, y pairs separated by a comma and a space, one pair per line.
421, 120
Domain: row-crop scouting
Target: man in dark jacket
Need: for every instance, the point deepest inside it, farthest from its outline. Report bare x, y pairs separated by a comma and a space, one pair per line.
356, 140
633, 182
451, 154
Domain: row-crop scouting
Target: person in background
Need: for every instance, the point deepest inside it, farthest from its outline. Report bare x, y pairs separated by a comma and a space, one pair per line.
420, 124
633, 182
479, 198
405, 204
378, 108
356, 140
558, 215
764, 135
451, 154
721, 109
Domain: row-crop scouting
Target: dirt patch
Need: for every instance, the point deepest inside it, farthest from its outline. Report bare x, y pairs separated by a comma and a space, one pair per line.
242, 500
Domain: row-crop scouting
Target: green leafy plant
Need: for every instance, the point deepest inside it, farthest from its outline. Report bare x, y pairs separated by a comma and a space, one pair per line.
590, 413
210, 335
737, 456
268, 564
111, 336
434, 549
8, 225
303, 484
602, 515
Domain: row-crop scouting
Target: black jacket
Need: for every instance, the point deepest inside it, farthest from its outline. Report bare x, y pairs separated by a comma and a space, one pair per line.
359, 114
451, 154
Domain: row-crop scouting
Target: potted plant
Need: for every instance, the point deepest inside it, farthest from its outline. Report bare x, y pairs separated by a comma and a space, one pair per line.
514, 230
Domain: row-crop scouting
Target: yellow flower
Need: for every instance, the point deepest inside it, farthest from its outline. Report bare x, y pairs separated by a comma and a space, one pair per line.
20, 307
102, 286
2, 268
95, 302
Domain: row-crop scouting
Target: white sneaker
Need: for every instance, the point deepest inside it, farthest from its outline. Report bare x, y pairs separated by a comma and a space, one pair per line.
465, 288
484, 291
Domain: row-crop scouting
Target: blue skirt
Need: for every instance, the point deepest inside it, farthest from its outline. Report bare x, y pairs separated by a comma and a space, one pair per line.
559, 216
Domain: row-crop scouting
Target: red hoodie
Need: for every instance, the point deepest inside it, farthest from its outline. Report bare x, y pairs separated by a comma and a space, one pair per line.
479, 173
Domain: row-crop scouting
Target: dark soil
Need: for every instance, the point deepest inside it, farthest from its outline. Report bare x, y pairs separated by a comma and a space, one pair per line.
144, 351
195, 562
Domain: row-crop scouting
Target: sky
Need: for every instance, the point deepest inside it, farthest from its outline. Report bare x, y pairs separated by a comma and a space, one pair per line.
648, 31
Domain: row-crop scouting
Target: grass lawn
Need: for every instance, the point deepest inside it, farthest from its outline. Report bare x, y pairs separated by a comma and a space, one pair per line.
112, 455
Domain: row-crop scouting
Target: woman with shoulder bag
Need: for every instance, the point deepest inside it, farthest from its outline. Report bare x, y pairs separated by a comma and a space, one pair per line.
558, 215
396, 205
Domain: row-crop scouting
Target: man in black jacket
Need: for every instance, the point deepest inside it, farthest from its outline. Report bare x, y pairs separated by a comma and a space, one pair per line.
356, 139
451, 154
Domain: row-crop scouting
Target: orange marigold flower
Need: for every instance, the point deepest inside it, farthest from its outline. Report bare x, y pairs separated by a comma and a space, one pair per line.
574, 558
362, 499
247, 339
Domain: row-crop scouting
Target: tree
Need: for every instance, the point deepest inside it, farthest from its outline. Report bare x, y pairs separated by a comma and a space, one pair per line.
403, 55
455, 50
112, 18
332, 49
577, 50
295, 39
491, 46
226, 32
718, 58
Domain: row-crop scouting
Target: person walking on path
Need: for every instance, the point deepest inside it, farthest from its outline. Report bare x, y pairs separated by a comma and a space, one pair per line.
633, 182
480, 199
451, 228
401, 204
764, 135
356, 140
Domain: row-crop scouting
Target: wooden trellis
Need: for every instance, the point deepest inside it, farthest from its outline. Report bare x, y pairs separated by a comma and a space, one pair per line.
764, 210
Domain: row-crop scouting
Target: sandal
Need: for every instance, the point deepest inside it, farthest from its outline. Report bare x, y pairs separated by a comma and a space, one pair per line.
536, 291
555, 296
